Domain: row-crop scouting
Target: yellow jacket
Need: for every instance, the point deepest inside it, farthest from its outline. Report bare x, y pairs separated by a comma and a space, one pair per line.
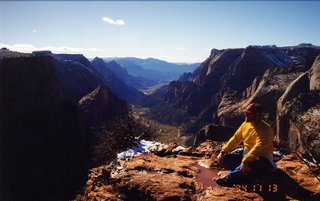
257, 139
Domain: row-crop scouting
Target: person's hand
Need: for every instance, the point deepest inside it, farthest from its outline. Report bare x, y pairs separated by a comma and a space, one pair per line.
220, 158
245, 167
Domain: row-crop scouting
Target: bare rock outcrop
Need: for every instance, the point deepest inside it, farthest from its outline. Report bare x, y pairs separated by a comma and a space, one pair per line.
273, 84
102, 106
298, 114
221, 81
186, 94
76, 77
298, 126
179, 177
315, 75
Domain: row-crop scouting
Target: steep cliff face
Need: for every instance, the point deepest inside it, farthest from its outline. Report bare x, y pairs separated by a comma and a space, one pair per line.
298, 113
273, 84
290, 99
315, 75
298, 124
75, 75
102, 106
222, 80
43, 141
290, 106
78, 77
101, 66
236, 68
187, 95
285, 81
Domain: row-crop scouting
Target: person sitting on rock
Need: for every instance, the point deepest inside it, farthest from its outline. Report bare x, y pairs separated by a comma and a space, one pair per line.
256, 157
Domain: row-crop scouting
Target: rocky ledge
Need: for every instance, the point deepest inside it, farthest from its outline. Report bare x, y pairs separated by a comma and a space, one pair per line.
189, 174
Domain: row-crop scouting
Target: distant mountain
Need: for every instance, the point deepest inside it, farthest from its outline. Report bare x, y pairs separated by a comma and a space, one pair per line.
138, 82
153, 68
163, 66
116, 84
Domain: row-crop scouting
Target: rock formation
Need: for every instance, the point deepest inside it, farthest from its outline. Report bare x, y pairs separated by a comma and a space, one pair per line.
222, 79
101, 66
79, 76
315, 75
298, 112
282, 80
102, 106
75, 75
43, 141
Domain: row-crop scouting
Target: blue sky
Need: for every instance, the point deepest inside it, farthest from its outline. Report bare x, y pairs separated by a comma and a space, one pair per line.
175, 31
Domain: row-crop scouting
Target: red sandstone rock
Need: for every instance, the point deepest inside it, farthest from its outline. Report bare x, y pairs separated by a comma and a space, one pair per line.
175, 177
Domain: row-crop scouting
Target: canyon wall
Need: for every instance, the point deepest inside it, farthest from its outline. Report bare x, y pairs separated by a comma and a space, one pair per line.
284, 80
43, 140
45, 137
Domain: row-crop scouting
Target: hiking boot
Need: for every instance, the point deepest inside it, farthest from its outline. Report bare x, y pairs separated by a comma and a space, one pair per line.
224, 181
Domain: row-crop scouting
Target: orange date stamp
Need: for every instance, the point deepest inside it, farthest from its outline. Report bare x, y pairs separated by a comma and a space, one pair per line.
256, 188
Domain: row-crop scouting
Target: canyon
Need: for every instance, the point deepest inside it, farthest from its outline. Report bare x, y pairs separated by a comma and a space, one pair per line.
53, 108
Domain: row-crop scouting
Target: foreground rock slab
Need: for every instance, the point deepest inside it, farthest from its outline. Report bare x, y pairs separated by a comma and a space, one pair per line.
176, 177
150, 177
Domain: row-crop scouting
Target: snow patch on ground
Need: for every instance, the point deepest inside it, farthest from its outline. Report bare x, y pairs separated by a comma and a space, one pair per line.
144, 146
177, 149
277, 58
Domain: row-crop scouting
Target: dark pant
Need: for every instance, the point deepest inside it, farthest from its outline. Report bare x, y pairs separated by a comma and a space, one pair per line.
232, 162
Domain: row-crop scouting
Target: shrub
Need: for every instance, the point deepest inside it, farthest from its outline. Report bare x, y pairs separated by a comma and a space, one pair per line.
119, 135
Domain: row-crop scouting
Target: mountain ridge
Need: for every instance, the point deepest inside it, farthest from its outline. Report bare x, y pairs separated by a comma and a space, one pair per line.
153, 68
80, 77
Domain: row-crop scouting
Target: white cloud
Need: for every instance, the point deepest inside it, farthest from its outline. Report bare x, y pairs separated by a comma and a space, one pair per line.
30, 48
34, 30
19, 47
111, 21
72, 49
180, 48
156, 48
